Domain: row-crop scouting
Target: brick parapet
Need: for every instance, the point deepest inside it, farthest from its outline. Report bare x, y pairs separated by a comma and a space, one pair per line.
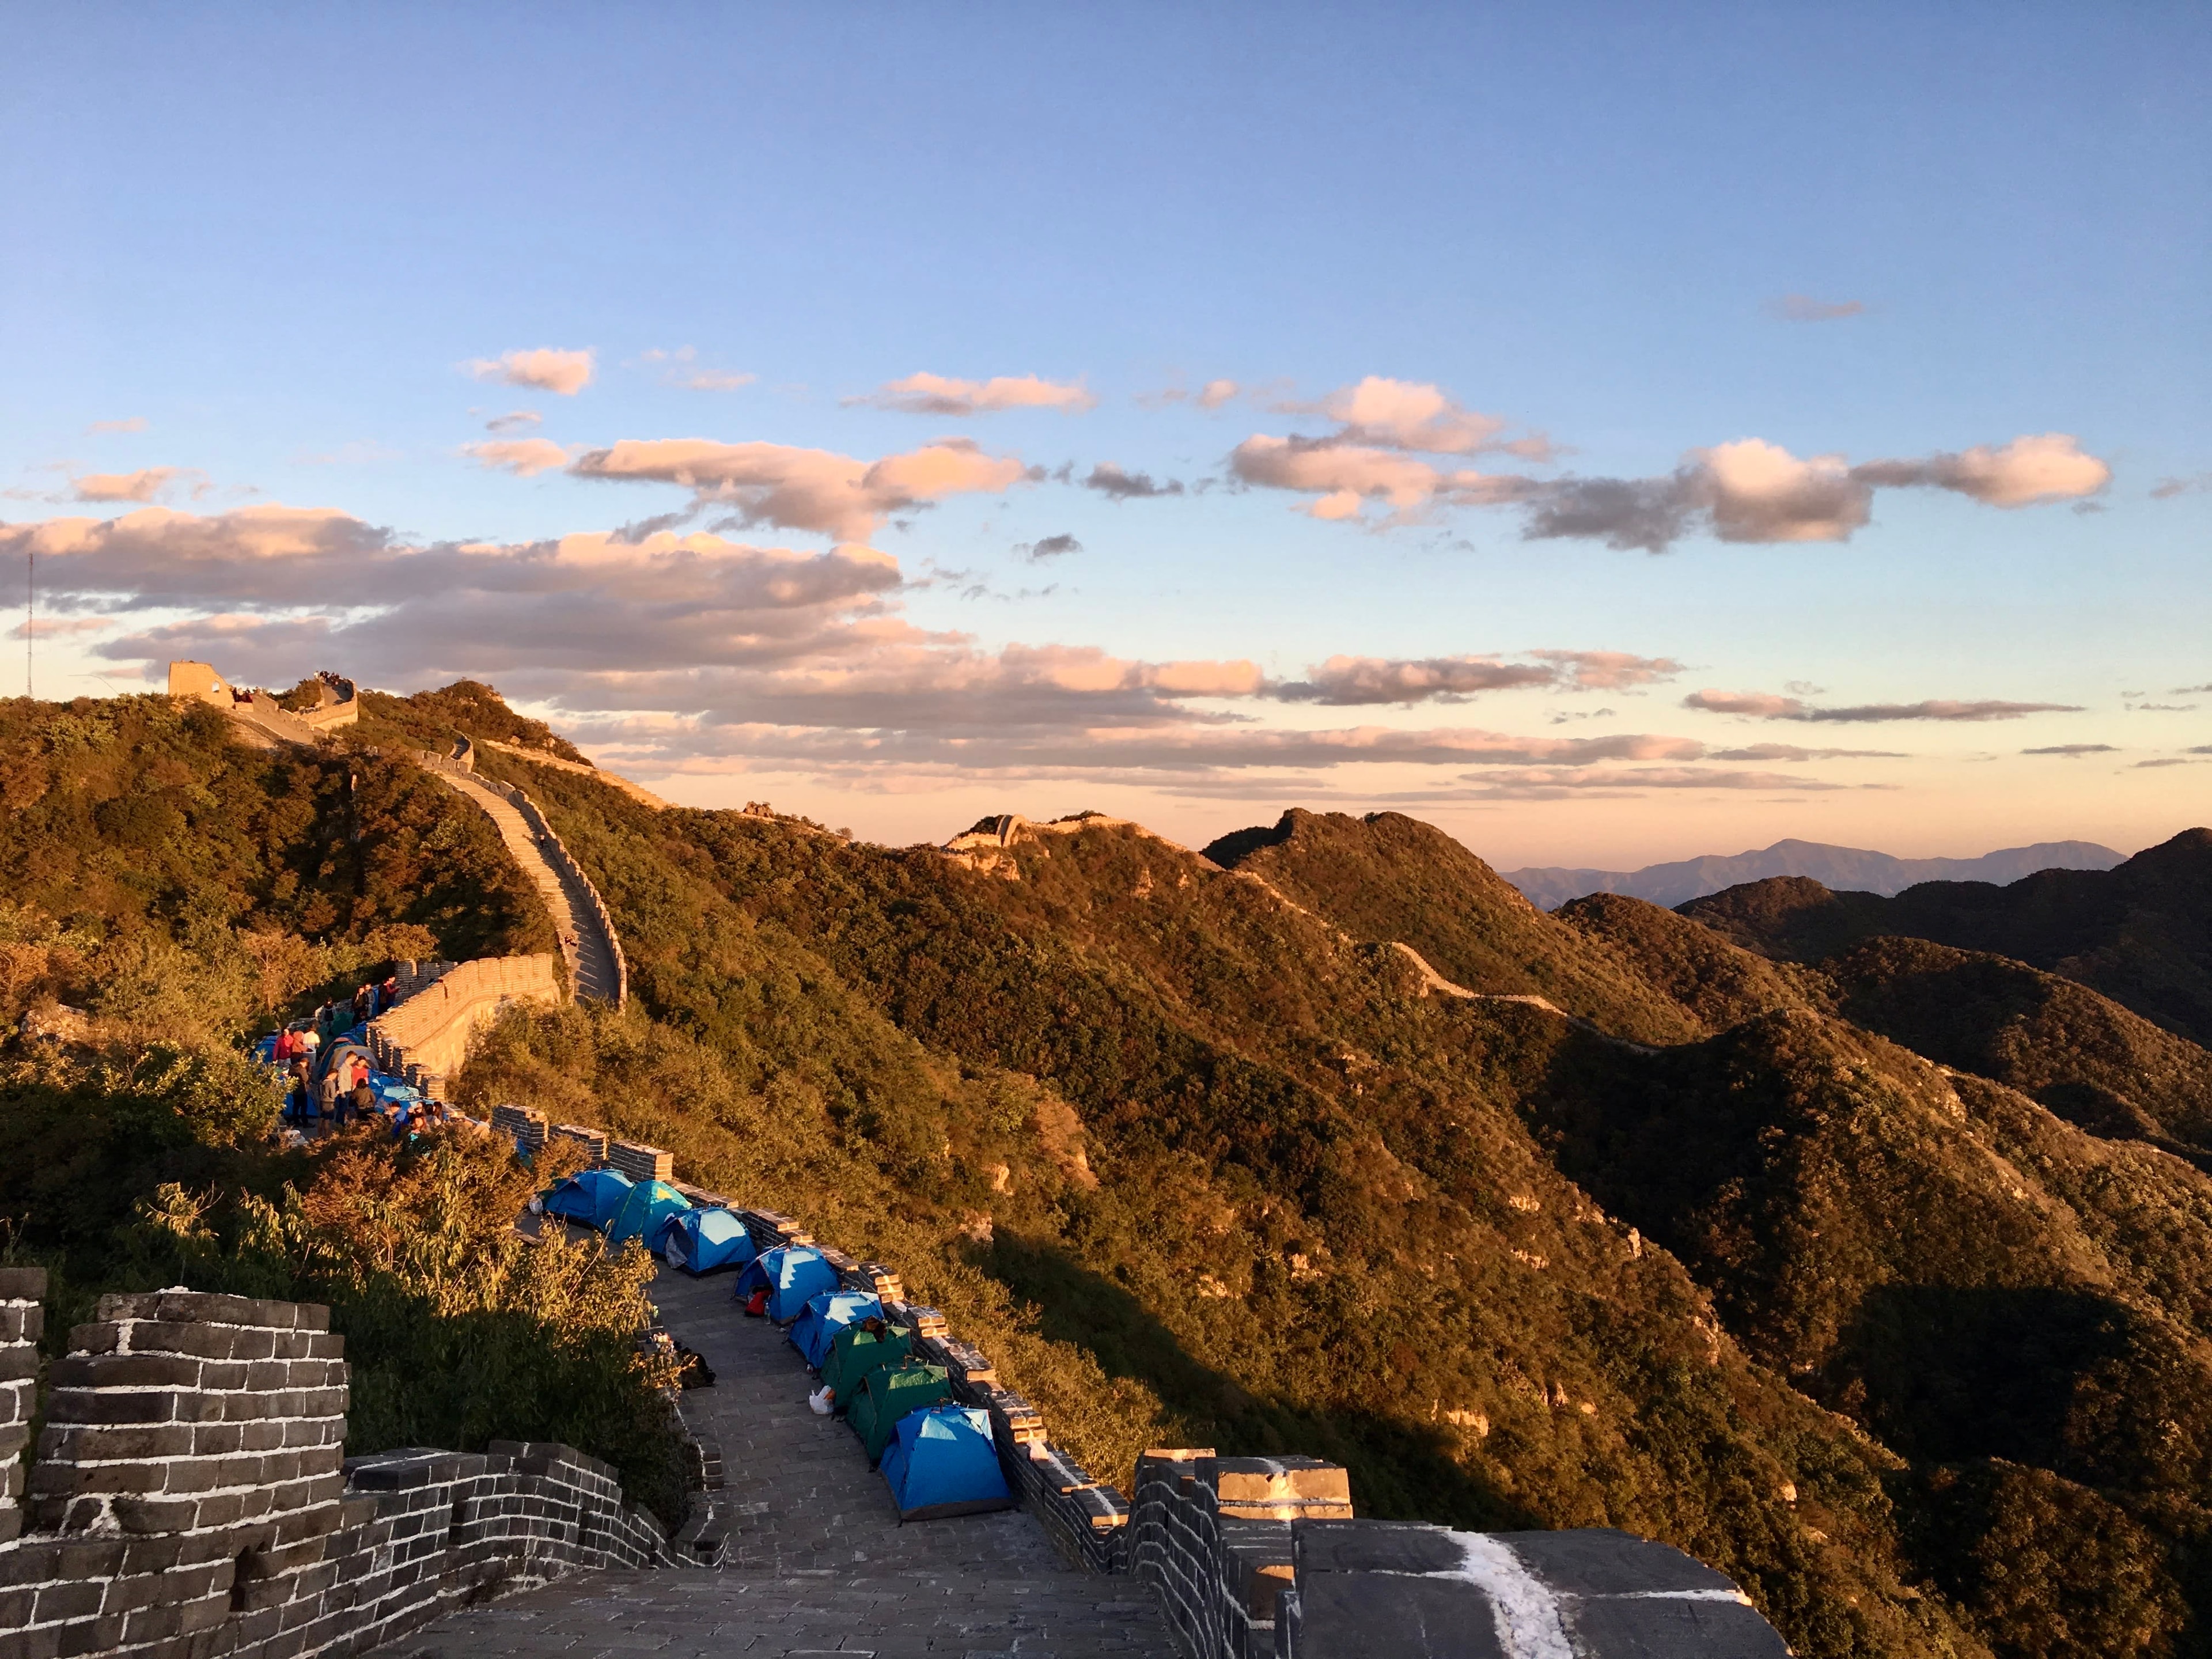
430, 1029
189, 1500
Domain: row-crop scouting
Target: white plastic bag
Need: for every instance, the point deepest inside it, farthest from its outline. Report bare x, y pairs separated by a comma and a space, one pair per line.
819, 1401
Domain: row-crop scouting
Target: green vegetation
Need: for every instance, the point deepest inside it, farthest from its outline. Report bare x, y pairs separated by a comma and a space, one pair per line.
1917, 1352
165, 892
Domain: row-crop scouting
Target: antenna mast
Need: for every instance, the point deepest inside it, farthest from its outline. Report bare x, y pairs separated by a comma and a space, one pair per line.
30, 611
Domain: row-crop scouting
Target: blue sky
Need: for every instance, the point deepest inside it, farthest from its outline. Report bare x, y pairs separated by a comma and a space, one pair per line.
275, 238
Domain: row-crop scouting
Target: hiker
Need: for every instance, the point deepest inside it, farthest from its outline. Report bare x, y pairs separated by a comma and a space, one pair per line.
364, 1099
361, 1003
286, 1050
334, 1098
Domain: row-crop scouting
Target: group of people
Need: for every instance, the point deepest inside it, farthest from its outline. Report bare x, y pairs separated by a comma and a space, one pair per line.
343, 1093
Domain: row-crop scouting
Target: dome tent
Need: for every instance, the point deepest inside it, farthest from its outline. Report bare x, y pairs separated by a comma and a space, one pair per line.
825, 1315
594, 1198
791, 1275
700, 1241
854, 1353
942, 1462
888, 1396
650, 1206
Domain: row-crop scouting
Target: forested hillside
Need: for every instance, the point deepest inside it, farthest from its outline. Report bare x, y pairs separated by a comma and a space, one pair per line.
1868, 1269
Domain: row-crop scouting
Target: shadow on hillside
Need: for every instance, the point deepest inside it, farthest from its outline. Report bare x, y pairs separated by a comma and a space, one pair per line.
1399, 1470
1948, 1374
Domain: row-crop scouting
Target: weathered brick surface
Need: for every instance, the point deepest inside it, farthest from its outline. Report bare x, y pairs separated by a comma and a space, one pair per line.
190, 1500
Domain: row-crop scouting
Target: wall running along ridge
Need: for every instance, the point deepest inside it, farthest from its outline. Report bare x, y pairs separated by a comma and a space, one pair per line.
189, 1500
1263, 1557
426, 1035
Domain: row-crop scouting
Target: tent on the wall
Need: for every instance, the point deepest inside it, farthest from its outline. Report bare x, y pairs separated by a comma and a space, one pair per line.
650, 1206
890, 1395
941, 1462
855, 1352
827, 1314
791, 1275
700, 1241
594, 1198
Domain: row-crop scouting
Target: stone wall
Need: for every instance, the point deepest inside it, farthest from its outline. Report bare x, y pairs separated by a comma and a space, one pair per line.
189, 1502
1260, 1558
430, 1030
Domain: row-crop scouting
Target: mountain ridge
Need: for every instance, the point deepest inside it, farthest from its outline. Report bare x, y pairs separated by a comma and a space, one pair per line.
1849, 868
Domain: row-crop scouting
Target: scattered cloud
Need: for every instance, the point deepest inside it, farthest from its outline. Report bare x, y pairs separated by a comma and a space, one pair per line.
681, 367
2171, 760
1348, 681
2164, 490
1048, 547
810, 490
1214, 394
1110, 481
523, 457
547, 369
520, 419
44, 628
2073, 751
940, 394
133, 423
143, 485
1804, 308
1789, 752
1770, 705
1345, 477
2191, 690
1751, 491
2161, 709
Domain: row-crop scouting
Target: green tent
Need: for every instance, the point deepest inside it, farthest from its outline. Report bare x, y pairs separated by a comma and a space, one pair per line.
856, 1354
891, 1394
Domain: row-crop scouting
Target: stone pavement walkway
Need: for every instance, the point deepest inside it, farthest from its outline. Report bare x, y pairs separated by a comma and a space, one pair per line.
584, 942
818, 1563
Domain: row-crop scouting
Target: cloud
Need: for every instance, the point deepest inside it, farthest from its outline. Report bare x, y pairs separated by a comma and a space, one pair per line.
1803, 308
2171, 760
1768, 706
1788, 751
2026, 472
1541, 784
1346, 476
1111, 481
1751, 491
2073, 751
42, 628
520, 419
546, 368
1048, 547
939, 394
682, 369
523, 457
2161, 707
1348, 681
2166, 489
2190, 690
1214, 394
1405, 415
143, 485
813, 489
133, 423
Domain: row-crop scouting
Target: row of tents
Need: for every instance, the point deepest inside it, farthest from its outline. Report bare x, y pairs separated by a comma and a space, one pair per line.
938, 1456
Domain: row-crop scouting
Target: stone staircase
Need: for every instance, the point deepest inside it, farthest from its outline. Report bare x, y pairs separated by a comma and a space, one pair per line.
588, 945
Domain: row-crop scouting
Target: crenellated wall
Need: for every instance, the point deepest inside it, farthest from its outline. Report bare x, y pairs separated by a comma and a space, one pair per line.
430, 1029
189, 1500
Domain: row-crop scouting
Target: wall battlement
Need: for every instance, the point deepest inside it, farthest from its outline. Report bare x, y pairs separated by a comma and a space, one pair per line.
430, 1028
189, 1500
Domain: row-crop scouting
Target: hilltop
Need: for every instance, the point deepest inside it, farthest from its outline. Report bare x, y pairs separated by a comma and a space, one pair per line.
1856, 868
2141, 933
1871, 1273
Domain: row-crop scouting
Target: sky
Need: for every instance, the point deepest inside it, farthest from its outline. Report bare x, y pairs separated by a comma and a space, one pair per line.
1613, 433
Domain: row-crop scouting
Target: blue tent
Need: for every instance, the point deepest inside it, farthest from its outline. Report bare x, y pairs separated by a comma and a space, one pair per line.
791, 1275
648, 1208
700, 1241
942, 1462
827, 1314
594, 1198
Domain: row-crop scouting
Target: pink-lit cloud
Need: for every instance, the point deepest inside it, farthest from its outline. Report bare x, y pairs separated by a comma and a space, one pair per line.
1804, 308
1769, 706
941, 394
547, 369
143, 485
131, 423
682, 368
813, 490
523, 457
1355, 681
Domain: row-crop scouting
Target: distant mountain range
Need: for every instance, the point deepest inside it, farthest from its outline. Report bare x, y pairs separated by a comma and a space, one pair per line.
1846, 869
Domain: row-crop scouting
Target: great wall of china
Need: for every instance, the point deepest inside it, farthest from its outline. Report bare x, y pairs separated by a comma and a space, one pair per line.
188, 1498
